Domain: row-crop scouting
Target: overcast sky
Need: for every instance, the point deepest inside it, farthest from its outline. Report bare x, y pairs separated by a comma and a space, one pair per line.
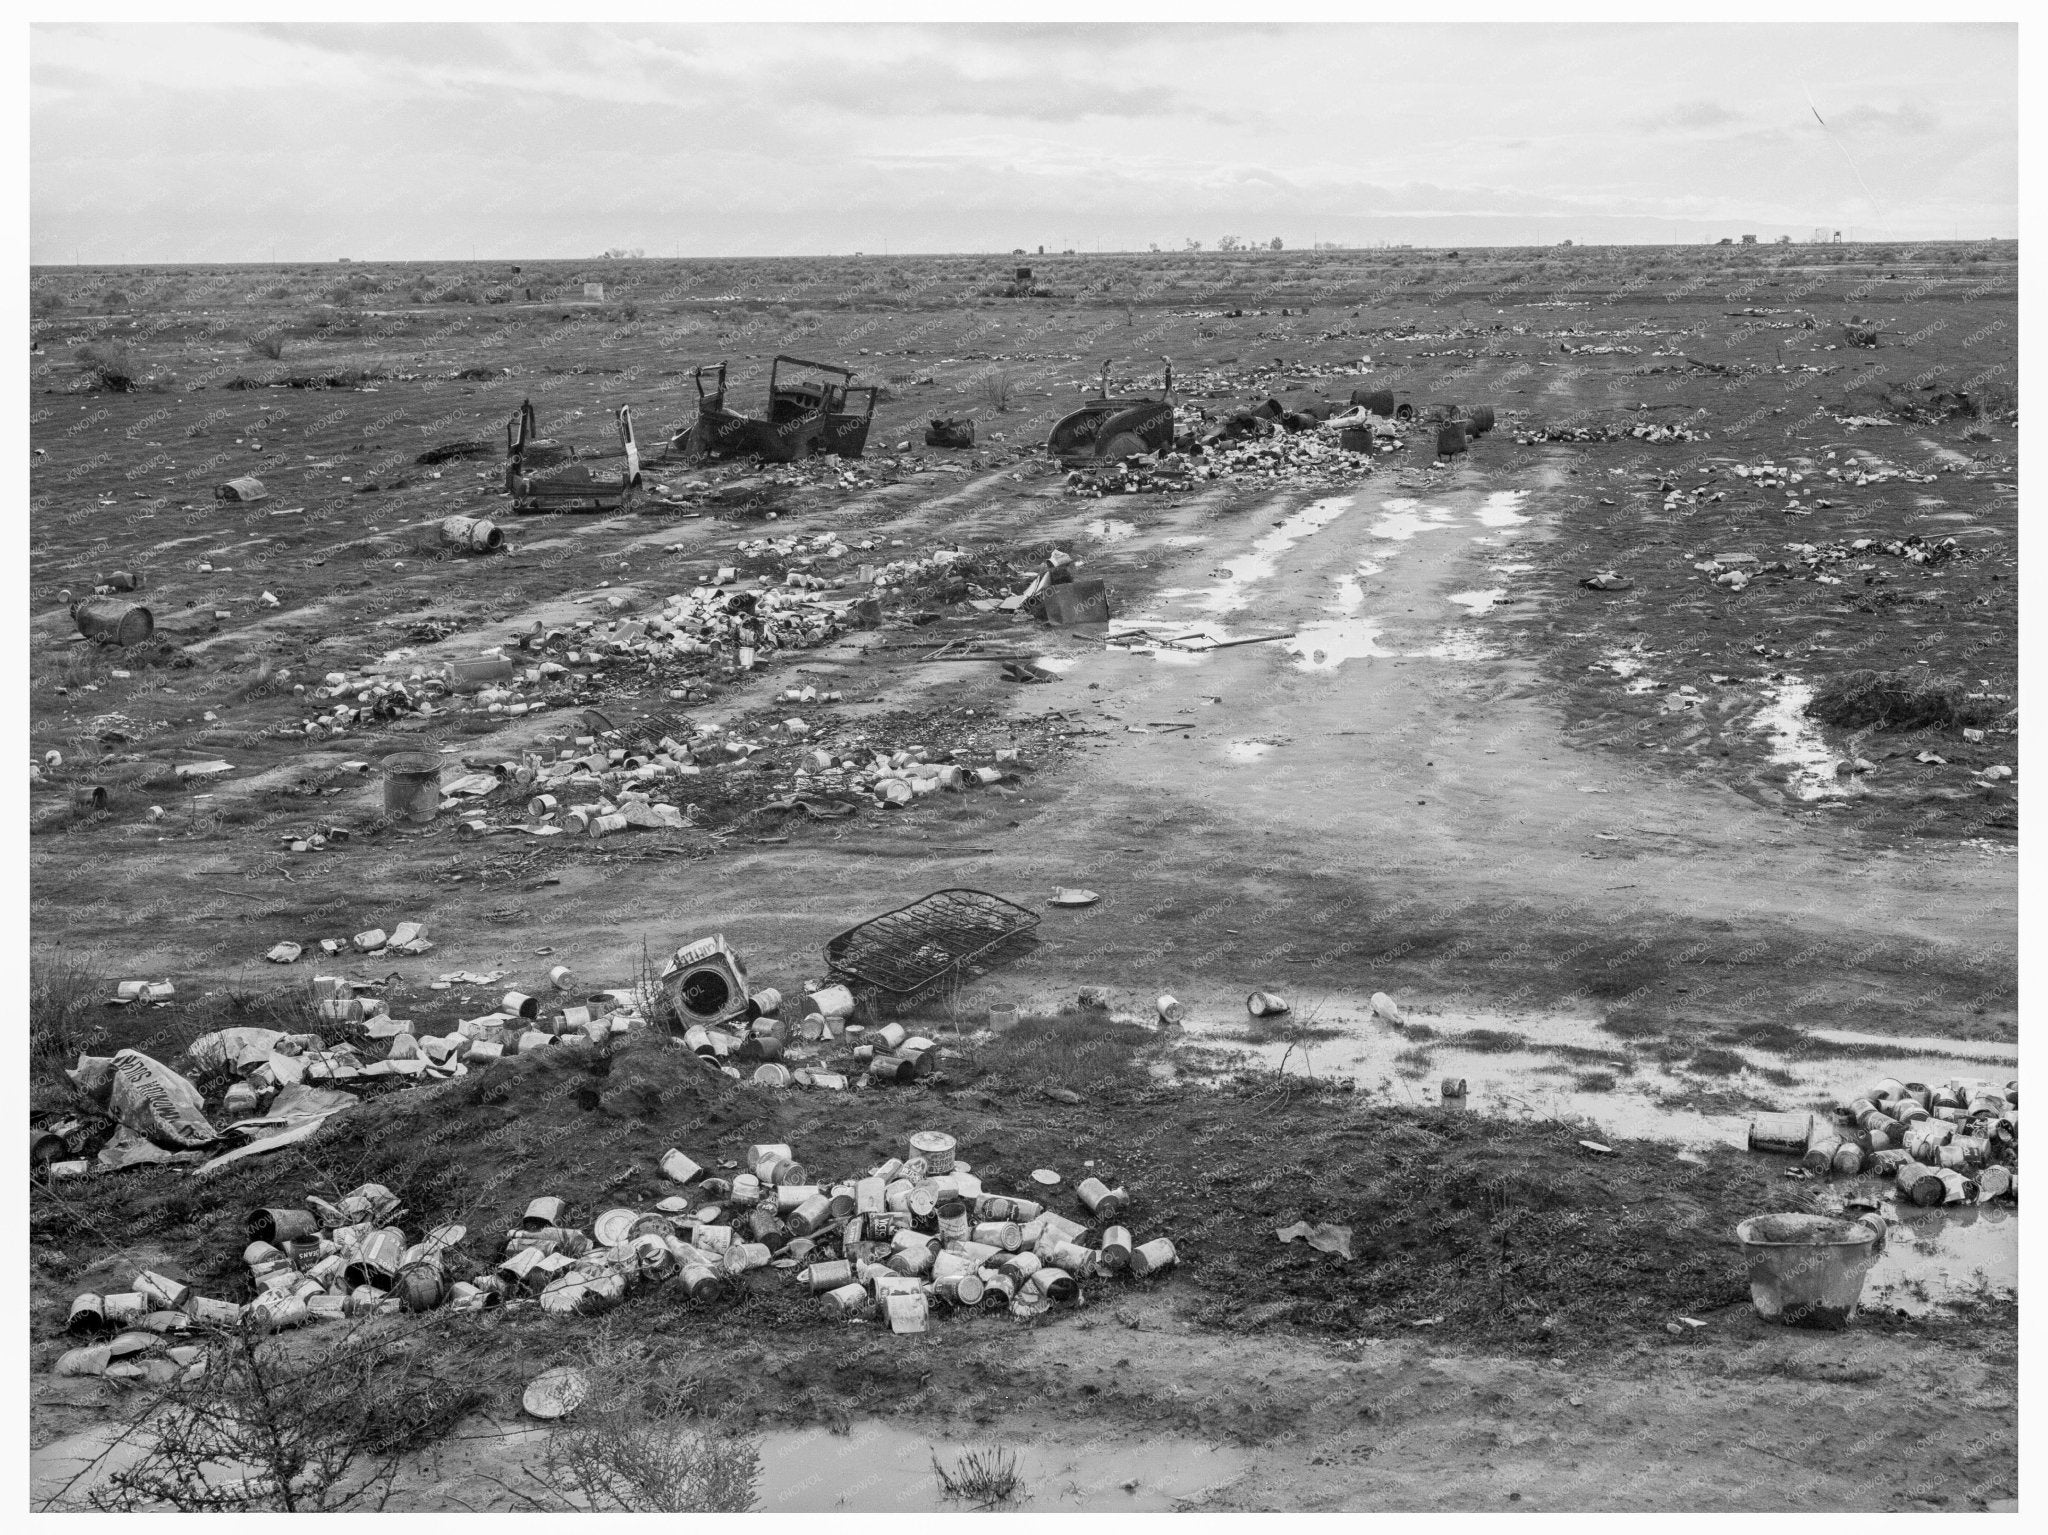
226, 143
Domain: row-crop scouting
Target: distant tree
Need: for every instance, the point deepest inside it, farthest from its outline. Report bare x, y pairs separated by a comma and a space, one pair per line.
1275, 244
1229, 243
1194, 245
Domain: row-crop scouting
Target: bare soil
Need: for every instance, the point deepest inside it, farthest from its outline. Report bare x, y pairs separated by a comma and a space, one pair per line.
1475, 811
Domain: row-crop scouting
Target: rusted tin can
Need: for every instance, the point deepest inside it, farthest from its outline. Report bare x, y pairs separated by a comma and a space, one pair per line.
764, 1226
765, 1003
517, 1004
1170, 1009
701, 1282
208, 1312
891, 1068
1007, 1236
1115, 1253
1994, 1183
822, 1277
1101, 1199
743, 1256
276, 1310
1019, 1266
937, 1149
772, 1074
1265, 1004
278, 1226
1920, 1093
377, 1260
1074, 1259
952, 1218
913, 1260
840, 1201
847, 1300
1453, 1092
1007, 1207
1154, 1257
811, 1215
906, 1313
1053, 1285
545, 1211
1919, 1183
832, 1001
746, 1189
125, 1309
998, 1290
420, 1286
1889, 1088
1786, 1134
160, 1293
88, 1314
960, 1289
889, 1036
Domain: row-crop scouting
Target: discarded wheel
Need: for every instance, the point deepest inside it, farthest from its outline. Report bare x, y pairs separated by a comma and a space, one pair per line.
113, 621
1481, 422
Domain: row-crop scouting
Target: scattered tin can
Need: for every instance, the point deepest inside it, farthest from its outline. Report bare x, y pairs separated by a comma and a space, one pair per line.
1787, 1134
160, 1292
960, 1289
123, 1310
1100, 1198
88, 1314
936, 1148
545, 1211
1171, 1010
1265, 1004
848, 1299
1154, 1257
832, 1001
906, 1313
517, 1004
680, 1169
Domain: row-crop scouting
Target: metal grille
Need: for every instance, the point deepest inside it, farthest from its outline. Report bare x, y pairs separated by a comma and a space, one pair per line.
916, 949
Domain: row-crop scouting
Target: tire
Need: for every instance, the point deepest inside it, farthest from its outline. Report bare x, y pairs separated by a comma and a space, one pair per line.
1404, 412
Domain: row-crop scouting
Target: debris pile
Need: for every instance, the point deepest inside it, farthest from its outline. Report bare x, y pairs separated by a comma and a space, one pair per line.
1955, 1144
1814, 561
912, 1237
1640, 431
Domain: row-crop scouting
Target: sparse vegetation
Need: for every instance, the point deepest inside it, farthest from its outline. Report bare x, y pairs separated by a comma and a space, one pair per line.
983, 1478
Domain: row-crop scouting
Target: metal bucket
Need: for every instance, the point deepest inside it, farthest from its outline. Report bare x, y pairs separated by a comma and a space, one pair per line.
1808, 1270
412, 786
114, 621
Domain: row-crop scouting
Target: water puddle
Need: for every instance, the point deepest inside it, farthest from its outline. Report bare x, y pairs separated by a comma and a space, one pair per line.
1247, 751
1405, 517
1056, 663
1796, 743
884, 1468
1325, 647
1460, 645
1350, 595
1479, 602
1109, 530
1263, 559
1937, 1257
1503, 508
1185, 540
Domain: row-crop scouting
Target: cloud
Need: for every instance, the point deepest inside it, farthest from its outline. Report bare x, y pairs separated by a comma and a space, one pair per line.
1688, 115
1905, 118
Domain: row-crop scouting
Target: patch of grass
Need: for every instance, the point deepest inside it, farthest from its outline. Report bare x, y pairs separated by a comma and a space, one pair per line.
1898, 700
268, 344
983, 1478
1594, 1082
1075, 1049
1716, 1062
65, 993
1488, 1041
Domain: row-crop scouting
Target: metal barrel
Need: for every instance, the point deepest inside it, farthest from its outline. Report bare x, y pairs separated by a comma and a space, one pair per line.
114, 621
412, 786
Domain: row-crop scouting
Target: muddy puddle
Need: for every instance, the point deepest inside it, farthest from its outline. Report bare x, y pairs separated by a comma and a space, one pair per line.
1567, 1070
874, 1467
886, 1468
